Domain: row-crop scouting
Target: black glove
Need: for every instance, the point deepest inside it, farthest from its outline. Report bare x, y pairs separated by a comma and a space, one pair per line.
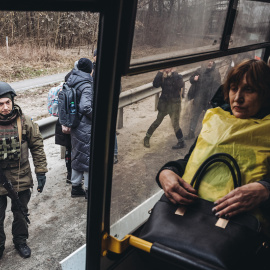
41, 178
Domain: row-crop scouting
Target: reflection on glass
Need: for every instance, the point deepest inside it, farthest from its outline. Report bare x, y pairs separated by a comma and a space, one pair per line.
134, 174
173, 28
252, 24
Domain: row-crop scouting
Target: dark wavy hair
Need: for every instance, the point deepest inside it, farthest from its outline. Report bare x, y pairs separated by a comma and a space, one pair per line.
257, 74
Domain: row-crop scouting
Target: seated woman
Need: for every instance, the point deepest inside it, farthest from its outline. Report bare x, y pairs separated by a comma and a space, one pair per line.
243, 132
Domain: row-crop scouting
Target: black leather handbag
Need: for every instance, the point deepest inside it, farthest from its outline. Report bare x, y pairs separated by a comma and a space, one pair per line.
199, 239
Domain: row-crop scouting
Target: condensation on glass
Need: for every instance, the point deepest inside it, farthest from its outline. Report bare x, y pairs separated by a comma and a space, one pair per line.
252, 24
167, 29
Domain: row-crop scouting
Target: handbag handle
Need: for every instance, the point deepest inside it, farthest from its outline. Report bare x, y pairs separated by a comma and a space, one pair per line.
219, 157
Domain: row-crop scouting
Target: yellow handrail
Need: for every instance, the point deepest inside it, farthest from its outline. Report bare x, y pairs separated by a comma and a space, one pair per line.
110, 243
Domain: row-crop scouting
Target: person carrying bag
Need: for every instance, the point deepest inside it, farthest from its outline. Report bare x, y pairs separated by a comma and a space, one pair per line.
195, 232
241, 131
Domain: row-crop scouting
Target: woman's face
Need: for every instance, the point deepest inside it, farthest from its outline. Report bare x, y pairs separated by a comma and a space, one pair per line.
244, 100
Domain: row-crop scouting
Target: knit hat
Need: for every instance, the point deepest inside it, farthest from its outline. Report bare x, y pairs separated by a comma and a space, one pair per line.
85, 65
95, 52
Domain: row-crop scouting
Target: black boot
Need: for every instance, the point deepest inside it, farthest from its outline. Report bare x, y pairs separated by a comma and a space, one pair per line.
86, 194
2, 248
190, 135
23, 250
77, 191
146, 141
179, 145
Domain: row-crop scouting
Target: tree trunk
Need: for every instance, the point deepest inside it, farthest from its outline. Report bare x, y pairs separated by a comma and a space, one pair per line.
57, 29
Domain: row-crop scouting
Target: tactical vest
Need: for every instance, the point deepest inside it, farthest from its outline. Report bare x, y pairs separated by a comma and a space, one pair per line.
11, 153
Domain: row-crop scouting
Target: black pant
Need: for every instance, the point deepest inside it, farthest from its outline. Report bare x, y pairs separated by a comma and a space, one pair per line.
68, 159
173, 109
19, 224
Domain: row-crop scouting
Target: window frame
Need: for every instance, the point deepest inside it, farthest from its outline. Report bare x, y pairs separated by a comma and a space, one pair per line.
118, 17
189, 59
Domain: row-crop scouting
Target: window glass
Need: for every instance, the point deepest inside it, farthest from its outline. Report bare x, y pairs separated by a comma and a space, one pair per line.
134, 174
252, 23
166, 28
38, 49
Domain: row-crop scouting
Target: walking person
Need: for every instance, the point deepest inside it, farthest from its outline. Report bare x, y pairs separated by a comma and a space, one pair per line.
18, 133
81, 135
169, 103
204, 83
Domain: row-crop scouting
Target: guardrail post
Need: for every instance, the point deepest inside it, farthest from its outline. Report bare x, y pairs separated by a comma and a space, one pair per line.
156, 101
120, 118
63, 151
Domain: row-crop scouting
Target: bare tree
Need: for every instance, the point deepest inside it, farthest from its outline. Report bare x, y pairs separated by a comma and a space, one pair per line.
56, 29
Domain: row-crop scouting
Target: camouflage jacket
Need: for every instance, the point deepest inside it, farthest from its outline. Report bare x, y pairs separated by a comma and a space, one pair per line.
17, 170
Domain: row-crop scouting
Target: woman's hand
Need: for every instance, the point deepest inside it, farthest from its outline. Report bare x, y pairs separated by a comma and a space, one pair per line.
176, 189
241, 199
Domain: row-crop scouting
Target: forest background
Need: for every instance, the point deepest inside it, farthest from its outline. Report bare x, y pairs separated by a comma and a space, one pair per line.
33, 44
42, 43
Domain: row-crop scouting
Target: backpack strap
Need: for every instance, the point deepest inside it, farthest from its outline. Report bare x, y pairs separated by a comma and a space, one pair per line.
19, 126
79, 84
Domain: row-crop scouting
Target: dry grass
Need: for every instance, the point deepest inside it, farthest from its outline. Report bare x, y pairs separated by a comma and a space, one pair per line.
26, 61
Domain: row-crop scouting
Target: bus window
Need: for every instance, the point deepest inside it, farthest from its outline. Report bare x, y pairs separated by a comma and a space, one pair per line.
165, 29
134, 188
252, 24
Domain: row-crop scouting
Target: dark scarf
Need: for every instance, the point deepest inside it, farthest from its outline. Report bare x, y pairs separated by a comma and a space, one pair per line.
8, 119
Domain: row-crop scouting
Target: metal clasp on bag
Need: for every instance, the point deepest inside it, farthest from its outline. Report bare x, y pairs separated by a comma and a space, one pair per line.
180, 210
222, 223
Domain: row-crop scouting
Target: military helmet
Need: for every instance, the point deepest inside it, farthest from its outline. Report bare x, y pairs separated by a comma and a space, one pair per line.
6, 88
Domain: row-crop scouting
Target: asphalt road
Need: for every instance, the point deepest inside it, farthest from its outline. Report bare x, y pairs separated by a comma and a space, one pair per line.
38, 82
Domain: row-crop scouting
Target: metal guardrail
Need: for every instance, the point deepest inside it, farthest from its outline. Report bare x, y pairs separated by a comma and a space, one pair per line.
136, 94
47, 125
147, 90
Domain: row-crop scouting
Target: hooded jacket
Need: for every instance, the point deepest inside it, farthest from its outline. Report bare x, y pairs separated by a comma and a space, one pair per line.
171, 86
81, 135
203, 90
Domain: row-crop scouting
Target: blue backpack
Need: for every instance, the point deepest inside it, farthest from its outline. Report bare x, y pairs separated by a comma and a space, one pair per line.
68, 106
52, 99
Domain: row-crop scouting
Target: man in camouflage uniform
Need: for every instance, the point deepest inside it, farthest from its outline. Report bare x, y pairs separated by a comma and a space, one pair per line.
18, 133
